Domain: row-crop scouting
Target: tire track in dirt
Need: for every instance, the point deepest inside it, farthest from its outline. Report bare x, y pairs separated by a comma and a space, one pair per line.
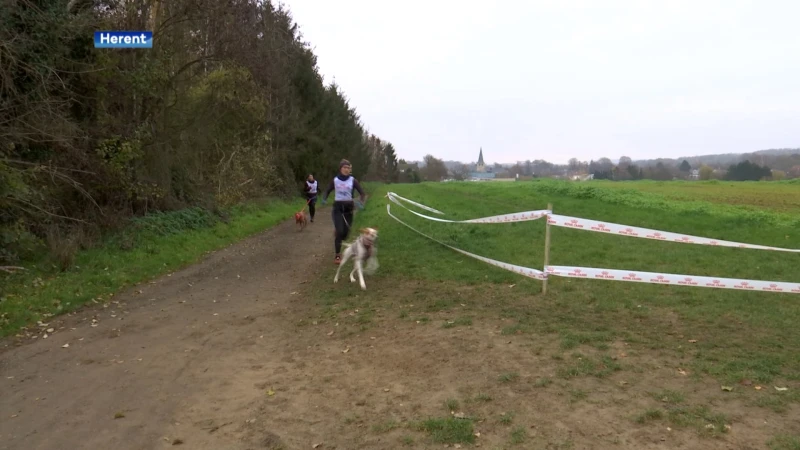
148, 373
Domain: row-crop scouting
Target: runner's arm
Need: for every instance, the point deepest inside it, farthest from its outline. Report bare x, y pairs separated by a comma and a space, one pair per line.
357, 185
327, 191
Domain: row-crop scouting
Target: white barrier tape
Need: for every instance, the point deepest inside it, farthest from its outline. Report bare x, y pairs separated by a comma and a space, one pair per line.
524, 271
672, 279
419, 205
646, 233
503, 218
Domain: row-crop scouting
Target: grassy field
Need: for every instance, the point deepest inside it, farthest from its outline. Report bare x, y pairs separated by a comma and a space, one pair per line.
661, 357
774, 196
149, 247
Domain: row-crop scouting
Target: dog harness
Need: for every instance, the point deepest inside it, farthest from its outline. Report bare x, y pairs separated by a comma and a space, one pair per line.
368, 248
343, 190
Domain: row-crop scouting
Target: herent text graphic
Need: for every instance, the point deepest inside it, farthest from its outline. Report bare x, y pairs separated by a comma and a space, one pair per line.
123, 39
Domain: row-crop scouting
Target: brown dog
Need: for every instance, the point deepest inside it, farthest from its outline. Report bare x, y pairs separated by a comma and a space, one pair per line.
300, 220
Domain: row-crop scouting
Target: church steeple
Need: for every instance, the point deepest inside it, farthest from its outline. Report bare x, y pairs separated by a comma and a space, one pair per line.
481, 166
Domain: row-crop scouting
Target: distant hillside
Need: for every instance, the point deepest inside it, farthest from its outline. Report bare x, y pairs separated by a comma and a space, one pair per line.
723, 159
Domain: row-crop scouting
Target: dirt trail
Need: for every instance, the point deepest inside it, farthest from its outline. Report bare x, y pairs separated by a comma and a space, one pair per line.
233, 354
167, 364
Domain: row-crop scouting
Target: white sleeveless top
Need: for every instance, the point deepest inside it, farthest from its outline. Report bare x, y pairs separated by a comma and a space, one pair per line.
343, 189
312, 187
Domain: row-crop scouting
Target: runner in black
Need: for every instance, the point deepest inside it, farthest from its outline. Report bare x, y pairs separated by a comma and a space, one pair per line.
310, 188
342, 212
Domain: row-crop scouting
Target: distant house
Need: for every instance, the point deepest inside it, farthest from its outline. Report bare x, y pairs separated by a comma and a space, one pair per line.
483, 173
694, 174
404, 167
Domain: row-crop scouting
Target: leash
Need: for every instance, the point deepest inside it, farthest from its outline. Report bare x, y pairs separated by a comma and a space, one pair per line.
308, 202
345, 219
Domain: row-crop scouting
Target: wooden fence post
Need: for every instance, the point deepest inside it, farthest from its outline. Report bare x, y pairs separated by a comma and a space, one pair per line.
546, 248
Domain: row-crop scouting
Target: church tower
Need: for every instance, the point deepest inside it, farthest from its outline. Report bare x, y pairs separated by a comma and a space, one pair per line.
481, 166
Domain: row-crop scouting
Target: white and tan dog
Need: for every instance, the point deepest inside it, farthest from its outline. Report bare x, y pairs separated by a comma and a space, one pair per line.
362, 250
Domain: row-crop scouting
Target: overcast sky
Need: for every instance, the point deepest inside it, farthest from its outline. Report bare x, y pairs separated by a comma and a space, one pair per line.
564, 78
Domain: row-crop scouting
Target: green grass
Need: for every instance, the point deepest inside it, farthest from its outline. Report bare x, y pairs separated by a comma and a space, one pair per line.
448, 431
149, 247
703, 419
784, 442
775, 196
740, 335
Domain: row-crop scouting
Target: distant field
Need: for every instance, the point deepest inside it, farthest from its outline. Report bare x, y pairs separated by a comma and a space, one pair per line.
602, 355
775, 196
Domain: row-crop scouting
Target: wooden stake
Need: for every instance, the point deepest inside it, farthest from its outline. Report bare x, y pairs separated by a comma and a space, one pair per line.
546, 248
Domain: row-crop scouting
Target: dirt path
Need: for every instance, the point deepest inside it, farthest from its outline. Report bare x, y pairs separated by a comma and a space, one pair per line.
178, 360
236, 353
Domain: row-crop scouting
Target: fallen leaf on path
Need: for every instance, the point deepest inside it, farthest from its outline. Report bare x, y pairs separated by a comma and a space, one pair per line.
317, 445
781, 388
727, 388
270, 392
330, 333
67, 346
346, 350
693, 341
682, 372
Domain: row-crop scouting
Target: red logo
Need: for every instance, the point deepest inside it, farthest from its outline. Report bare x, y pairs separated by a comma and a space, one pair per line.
715, 283
742, 246
629, 232
797, 290
601, 227
743, 285
684, 239
605, 275
656, 236
574, 223
552, 221
660, 279
577, 273
713, 243
773, 287
632, 277
688, 282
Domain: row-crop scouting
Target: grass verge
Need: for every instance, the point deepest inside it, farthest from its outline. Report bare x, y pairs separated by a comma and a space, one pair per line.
149, 247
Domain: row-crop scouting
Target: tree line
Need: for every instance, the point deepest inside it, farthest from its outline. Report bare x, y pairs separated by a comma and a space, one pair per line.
747, 169
227, 106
